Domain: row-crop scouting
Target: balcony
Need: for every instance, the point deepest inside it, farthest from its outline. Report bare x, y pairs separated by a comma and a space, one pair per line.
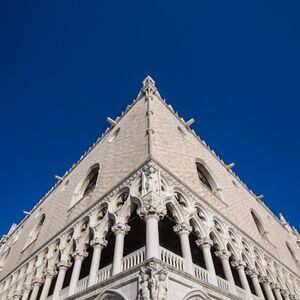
172, 260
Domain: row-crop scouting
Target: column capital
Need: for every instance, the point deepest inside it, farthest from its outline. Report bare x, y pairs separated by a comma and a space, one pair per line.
238, 264
152, 208
182, 228
64, 265
204, 242
223, 254
17, 296
265, 279
37, 282
26, 289
252, 273
274, 286
98, 242
80, 254
50, 274
120, 228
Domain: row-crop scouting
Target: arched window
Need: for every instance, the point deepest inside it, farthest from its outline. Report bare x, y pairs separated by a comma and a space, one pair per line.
34, 233
259, 225
204, 175
292, 253
87, 186
90, 181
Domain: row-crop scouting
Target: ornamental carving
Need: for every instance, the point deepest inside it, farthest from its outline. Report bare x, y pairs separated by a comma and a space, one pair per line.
153, 282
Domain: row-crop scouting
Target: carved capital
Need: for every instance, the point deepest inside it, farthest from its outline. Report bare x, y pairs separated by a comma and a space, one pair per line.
50, 274
37, 282
274, 286
238, 264
98, 242
204, 242
80, 254
265, 280
223, 254
120, 228
64, 264
152, 206
252, 273
17, 296
183, 228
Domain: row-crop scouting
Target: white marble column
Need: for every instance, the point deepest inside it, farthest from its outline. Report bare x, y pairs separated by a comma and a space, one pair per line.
98, 244
267, 288
120, 231
151, 212
276, 291
285, 295
183, 230
47, 284
35, 290
224, 255
62, 269
205, 245
254, 277
78, 259
26, 292
17, 296
240, 266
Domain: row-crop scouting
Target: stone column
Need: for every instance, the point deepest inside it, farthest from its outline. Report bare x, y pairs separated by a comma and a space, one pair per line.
78, 259
35, 290
240, 266
47, 284
205, 245
98, 244
26, 292
266, 284
276, 291
224, 255
62, 269
120, 231
254, 278
183, 230
16, 296
152, 211
285, 295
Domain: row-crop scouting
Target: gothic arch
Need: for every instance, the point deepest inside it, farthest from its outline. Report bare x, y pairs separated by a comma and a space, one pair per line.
111, 295
196, 295
205, 176
87, 185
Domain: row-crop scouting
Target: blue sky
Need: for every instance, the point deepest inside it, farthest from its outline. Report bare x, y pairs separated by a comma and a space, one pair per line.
67, 65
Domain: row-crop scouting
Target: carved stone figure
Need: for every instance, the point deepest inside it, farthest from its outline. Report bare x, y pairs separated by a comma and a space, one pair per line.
153, 282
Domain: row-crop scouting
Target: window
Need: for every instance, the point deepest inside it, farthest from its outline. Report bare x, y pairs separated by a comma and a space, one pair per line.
86, 187
259, 226
205, 177
292, 254
91, 182
34, 233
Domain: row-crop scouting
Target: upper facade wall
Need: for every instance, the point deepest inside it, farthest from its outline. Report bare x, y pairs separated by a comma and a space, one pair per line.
178, 152
117, 159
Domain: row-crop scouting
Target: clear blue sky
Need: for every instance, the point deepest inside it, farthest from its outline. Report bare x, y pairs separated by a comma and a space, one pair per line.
67, 65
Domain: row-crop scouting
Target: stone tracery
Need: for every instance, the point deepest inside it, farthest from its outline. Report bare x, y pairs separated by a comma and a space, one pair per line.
151, 205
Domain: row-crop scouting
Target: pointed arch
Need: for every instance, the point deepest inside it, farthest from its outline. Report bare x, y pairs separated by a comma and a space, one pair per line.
259, 225
111, 295
87, 185
196, 295
205, 176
